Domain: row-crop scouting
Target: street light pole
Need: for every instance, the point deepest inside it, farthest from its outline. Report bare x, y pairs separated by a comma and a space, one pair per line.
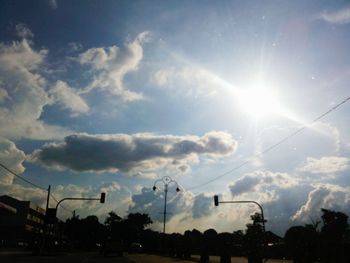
166, 180
165, 200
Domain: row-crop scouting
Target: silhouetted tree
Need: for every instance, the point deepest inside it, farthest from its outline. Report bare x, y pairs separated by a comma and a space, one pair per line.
196, 239
84, 233
187, 240
209, 245
225, 245
254, 239
139, 221
301, 242
113, 225
238, 240
151, 241
112, 219
335, 225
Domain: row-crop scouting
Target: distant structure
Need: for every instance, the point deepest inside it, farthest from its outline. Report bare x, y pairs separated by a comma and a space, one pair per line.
21, 222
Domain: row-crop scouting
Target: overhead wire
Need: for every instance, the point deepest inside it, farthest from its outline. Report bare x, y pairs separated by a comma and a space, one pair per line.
32, 184
21, 178
55, 199
273, 146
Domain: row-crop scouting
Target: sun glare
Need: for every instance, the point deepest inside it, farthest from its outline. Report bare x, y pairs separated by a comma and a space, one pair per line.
259, 102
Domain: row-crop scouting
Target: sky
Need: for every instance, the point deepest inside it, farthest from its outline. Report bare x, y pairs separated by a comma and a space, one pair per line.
224, 97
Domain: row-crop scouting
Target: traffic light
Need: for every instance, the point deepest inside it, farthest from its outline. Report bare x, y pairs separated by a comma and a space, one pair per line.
216, 200
103, 198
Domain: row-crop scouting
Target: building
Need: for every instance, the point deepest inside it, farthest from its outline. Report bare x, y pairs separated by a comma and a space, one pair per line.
20, 221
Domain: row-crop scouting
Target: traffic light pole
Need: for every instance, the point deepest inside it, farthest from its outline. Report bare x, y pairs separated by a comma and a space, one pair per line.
101, 199
217, 202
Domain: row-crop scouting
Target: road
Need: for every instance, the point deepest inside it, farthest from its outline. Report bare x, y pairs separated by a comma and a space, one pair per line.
86, 257
142, 258
93, 257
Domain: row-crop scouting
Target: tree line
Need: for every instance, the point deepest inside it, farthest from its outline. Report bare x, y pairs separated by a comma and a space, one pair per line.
327, 240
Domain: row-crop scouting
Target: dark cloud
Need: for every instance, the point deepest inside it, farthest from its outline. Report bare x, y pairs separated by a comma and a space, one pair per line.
202, 205
152, 203
139, 152
265, 179
243, 185
279, 211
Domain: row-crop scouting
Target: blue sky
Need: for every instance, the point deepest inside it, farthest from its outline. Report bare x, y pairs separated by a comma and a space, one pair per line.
113, 95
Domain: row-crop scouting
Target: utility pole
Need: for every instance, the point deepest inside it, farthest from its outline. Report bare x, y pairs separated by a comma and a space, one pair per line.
48, 198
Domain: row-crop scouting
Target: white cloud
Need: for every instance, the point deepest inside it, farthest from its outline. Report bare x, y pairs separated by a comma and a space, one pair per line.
325, 165
12, 158
35, 195
64, 95
324, 196
23, 31
261, 179
111, 64
136, 154
115, 194
190, 81
341, 16
152, 203
25, 87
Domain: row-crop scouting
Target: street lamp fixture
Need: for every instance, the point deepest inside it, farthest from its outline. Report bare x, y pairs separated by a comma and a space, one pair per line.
166, 181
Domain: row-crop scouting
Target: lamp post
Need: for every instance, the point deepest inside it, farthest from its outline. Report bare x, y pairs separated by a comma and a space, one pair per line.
166, 181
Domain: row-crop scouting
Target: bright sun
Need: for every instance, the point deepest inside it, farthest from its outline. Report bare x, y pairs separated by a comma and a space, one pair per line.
259, 102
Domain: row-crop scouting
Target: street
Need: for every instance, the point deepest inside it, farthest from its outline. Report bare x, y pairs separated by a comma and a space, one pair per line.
94, 257
77, 257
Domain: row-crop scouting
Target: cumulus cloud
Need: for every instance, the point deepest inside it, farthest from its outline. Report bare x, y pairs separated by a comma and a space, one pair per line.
13, 158
23, 31
35, 195
115, 194
131, 153
66, 96
324, 196
202, 205
325, 165
261, 179
111, 64
152, 203
23, 93
194, 81
341, 16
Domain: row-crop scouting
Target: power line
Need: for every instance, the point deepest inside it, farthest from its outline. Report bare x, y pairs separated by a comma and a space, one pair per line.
268, 149
54, 198
32, 184
21, 178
